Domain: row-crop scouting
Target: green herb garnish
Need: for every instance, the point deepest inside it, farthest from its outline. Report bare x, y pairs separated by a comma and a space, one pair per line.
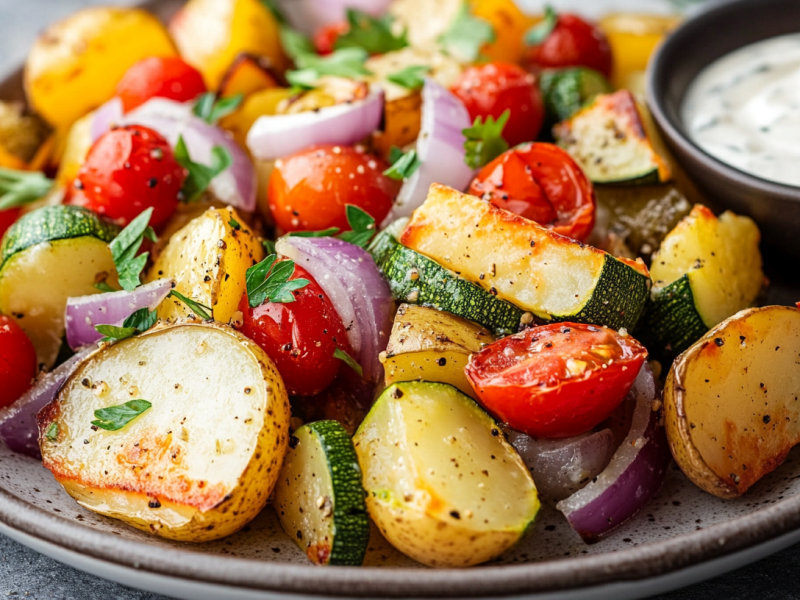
104, 287
22, 187
330, 231
139, 321
540, 32
234, 224
268, 281
348, 360
347, 62
52, 432
373, 34
404, 166
412, 77
466, 35
362, 227
272, 6
201, 310
125, 246
116, 417
295, 44
200, 175
485, 140
269, 247
211, 109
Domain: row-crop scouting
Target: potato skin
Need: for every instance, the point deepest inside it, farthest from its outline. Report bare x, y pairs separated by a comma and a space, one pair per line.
76, 63
148, 482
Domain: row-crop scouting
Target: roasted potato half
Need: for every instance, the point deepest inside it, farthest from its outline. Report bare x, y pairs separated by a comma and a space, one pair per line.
201, 461
731, 400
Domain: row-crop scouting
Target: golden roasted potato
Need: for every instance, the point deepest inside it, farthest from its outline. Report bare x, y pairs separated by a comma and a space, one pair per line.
731, 400
201, 460
75, 64
210, 34
432, 345
255, 105
208, 259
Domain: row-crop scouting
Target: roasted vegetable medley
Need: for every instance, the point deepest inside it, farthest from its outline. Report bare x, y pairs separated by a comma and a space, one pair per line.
421, 265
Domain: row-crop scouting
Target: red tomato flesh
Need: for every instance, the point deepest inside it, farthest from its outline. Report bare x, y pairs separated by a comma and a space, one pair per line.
557, 380
540, 182
573, 43
309, 190
492, 88
128, 170
17, 361
159, 77
300, 337
325, 38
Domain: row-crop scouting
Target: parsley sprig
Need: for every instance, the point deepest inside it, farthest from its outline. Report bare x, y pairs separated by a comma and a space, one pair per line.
466, 35
200, 175
22, 187
211, 109
138, 322
373, 34
268, 281
362, 228
346, 62
126, 245
542, 30
485, 140
348, 360
294, 43
403, 165
201, 310
114, 418
411, 78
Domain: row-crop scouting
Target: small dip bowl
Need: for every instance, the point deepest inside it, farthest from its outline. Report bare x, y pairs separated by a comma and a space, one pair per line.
697, 43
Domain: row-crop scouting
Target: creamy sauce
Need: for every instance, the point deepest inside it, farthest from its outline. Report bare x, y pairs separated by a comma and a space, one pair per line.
744, 109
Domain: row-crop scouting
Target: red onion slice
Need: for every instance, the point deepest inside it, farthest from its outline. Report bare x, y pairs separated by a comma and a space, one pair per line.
84, 312
275, 136
633, 476
309, 16
440, 147
357, 290
562, 467
236, 185
18, 428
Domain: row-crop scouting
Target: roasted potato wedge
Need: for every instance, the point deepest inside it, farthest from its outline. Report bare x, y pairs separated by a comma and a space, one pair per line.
208, 259
201, 461
75, 64
443, 484
248, 74
431, 345
731, 400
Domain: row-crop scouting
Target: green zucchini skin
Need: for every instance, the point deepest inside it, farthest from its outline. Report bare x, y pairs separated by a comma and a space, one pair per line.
671, 323
416, 279
618, 299
566, 91
51, 223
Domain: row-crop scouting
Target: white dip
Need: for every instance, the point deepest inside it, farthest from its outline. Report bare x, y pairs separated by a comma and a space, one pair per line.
744, 109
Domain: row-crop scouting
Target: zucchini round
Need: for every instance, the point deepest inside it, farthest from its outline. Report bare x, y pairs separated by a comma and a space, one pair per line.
566, 91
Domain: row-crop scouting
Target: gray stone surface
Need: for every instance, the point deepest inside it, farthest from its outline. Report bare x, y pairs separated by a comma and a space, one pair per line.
27, 574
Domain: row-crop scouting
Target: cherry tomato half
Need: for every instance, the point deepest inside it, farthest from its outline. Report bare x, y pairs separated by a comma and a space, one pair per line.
17, 361
128, 170
7, 218
309, 190
493, 88
540, 182
573, 43
162, 77
326, 37
300, 336
557, 380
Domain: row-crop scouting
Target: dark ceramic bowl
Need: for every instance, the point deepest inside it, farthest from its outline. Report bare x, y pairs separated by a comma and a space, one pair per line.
708, 36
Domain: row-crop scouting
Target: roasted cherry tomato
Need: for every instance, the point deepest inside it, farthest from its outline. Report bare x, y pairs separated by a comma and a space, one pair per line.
310, 190
7, 218
300, 336
159, 77
540, 182
128, 170
557, 380
17, 361
572, 43
493, 88
326, 37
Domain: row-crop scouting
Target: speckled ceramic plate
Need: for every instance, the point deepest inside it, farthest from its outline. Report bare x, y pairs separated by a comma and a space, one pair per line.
683, 536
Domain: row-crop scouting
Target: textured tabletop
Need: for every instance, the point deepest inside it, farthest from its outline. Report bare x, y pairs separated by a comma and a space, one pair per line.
27, 574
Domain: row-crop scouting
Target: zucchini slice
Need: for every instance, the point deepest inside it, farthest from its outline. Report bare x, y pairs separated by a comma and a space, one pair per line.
47, 256
566, 91
706, 270
609, 140
416, 279
443, 484
552, 276
319, 497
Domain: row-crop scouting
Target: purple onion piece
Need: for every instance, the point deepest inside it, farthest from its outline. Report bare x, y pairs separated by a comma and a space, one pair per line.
634, 475
275, 136
359, 293
112, 308
309, 16
18, 428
